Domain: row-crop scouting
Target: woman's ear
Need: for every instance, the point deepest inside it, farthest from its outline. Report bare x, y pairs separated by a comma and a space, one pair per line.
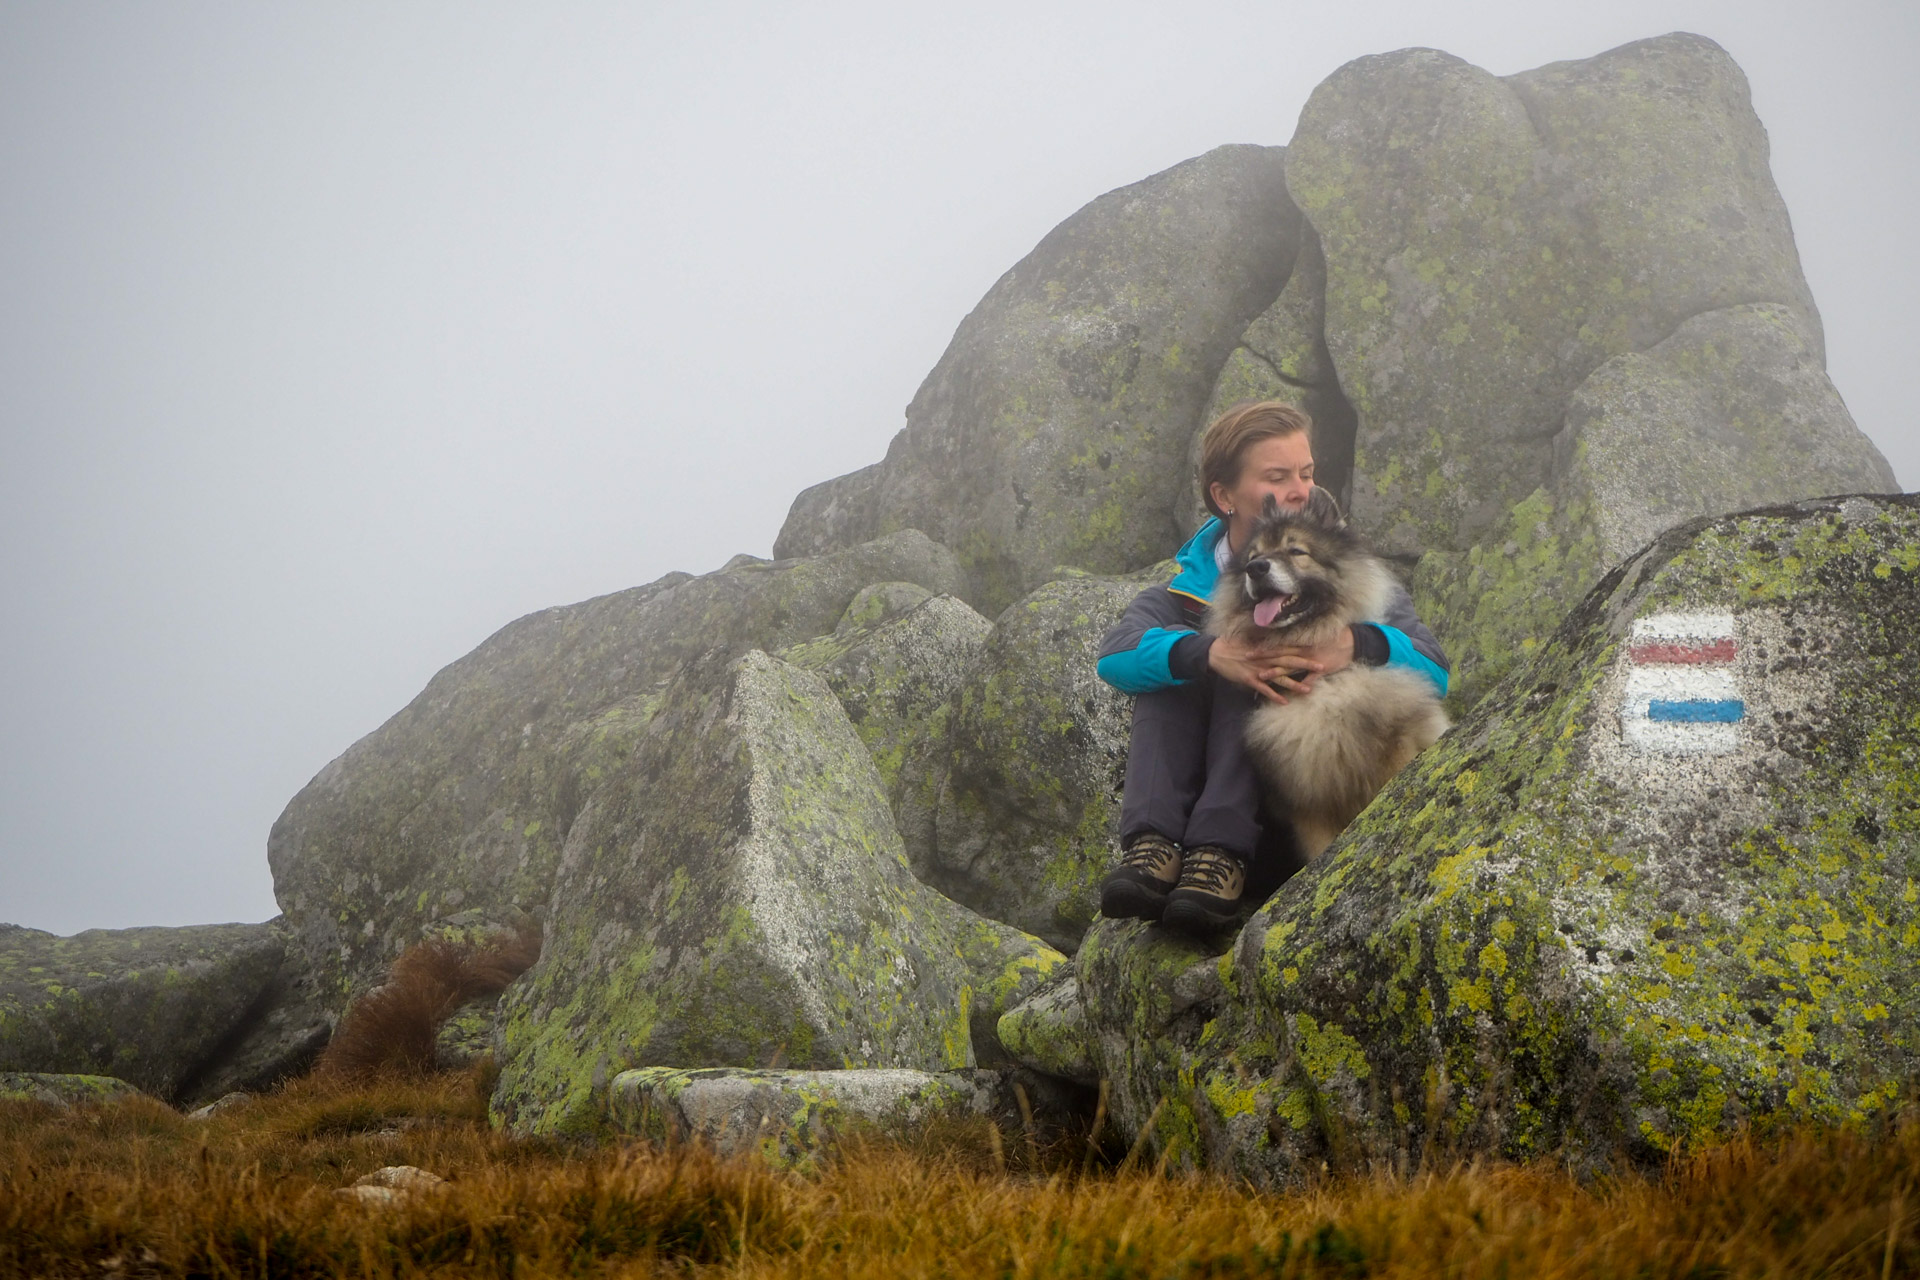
1222, 500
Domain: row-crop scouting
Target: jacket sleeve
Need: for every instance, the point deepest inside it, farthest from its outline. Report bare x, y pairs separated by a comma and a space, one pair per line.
1137, 652
1410, 644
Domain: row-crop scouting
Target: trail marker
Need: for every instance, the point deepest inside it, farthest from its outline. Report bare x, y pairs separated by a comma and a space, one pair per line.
1683, 696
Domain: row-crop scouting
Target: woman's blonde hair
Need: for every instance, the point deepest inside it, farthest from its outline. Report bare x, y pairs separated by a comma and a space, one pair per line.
1230, 435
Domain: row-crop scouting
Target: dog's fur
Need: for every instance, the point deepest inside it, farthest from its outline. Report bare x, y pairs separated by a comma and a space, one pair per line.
1325, 754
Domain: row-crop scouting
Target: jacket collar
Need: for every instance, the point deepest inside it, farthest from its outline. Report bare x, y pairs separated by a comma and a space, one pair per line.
1198, 570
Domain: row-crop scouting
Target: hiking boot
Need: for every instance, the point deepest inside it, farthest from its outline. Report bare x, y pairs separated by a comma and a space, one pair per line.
1137, 889
1212, 884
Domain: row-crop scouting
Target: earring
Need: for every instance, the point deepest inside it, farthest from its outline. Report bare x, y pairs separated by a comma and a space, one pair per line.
1229, 512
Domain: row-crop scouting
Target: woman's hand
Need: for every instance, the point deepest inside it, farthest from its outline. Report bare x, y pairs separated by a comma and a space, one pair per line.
1262, 667
1322, 659
1290, 667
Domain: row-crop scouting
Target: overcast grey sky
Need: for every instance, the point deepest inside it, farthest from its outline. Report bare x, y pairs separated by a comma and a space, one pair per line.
334, 337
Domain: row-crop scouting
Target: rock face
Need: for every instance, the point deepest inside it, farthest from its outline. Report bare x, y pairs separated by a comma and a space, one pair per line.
1283, 356
1660, 883
1028, 766
1049, 1033
1490, 245
737, 896
792, 1118
178, 1013
1705, 421
895, 661
1054, 430
457, 808
62, 1090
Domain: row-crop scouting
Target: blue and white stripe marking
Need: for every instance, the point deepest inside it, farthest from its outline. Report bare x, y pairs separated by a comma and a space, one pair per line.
1683, 696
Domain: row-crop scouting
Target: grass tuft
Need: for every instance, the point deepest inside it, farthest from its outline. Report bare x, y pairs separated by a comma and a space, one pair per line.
131, 1188
391, 1029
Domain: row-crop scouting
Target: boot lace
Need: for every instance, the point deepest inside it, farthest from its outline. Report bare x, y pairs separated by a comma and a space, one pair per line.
1209, 869
1149, 853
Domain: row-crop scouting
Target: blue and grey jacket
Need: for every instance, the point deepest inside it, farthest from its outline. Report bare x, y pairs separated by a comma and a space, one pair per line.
1157, 642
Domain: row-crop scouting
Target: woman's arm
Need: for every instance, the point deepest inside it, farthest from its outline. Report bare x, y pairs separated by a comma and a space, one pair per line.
1137, 653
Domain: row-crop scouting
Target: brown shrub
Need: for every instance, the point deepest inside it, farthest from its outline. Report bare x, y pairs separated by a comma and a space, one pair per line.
392, 1028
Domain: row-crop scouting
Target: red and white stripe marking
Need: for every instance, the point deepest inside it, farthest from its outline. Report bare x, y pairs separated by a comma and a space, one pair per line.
1683, 695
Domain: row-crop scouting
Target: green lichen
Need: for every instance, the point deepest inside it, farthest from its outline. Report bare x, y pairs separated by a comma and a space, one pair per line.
462, 802
791, 1120
1493, 605
746, 902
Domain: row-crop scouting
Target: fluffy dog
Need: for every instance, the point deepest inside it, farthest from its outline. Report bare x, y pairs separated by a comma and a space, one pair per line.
1322, 756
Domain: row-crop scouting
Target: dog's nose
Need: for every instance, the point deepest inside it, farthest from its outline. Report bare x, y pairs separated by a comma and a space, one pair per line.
1258, 566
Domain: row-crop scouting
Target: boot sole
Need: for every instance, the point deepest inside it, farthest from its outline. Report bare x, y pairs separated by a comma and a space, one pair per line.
1193, 916
1130, 900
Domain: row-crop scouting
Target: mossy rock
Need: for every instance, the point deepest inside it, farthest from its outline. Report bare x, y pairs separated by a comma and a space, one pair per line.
1731, 411
57, 1090
1535, 289
795, 1119
1283, 356
1580, 925
164, 1009
456, 809
737, 895
894, 662
1027, 765
1490, 242
467, 1035
1048, 1032
1054, 429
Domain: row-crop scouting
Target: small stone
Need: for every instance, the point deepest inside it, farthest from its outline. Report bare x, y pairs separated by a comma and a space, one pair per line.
225, 1102
1049, 1033
402, 1177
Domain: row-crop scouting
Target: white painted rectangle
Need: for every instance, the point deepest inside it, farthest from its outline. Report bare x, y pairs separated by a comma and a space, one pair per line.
1670, 738
1681, 626
1679, 684
1685, 659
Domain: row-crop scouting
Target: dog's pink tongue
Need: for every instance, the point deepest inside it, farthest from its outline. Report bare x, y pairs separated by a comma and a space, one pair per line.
1267, 610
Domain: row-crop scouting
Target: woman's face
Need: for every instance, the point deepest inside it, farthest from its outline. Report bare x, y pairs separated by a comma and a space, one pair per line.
1280, 467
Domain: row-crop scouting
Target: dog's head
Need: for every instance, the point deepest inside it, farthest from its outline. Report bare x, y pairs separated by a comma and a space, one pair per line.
1293, 568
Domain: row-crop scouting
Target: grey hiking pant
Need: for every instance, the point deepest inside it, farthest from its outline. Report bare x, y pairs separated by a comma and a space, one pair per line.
1189, 777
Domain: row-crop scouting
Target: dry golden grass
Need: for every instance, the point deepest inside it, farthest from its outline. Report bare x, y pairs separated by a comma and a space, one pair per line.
134, 1189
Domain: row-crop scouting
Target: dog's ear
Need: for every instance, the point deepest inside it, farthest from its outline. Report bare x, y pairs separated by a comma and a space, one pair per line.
1270, 509
1324, 510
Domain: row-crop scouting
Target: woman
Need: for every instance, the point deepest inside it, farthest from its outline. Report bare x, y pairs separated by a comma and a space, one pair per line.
1190, 820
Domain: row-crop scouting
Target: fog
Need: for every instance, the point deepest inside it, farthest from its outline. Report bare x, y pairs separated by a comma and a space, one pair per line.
334, 337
